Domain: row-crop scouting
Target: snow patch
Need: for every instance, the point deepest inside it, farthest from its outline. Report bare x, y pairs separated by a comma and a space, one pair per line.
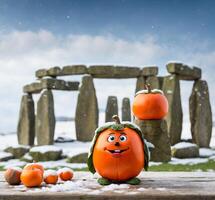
188, 161
206, 152
5, 154
45, 149
182, 145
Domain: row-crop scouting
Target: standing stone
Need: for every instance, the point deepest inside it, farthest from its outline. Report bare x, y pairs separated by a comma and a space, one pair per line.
142, 80
140, 83
153, 81
200, 114
86, 117
126, 109
45, 119
26, 124
111, 108
155, 132
171, 89
160, 80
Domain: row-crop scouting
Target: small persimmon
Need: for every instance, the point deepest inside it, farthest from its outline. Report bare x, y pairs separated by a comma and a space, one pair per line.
31, 177
65, 174
50, 177
12, 175
34, 166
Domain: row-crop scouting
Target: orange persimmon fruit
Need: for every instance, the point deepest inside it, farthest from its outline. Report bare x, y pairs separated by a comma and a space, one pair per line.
65, 174
12, 175
31, 177
34, 166
50, 177
150, 104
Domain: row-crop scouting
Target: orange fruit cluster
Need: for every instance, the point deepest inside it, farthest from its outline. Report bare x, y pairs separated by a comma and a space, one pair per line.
33, 174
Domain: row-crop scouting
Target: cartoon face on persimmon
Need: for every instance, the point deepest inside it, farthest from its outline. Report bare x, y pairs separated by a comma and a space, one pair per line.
119, 152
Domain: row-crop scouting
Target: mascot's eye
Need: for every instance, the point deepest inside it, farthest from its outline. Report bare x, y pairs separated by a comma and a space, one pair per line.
111, 138
123, 138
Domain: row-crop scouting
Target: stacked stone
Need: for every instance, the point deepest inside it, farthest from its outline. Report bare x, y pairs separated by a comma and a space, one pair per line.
155, 132
44, 122
148, 75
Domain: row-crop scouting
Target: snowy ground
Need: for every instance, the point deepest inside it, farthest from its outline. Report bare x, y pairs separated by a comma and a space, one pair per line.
73, 148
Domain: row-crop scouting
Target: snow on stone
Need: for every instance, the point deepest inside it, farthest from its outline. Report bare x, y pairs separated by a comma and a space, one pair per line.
45, 148
182, 145
49, 172
27, 156
187, 161
19, 146
206, 152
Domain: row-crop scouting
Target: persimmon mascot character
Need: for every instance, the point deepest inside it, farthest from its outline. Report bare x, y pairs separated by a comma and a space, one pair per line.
118, 153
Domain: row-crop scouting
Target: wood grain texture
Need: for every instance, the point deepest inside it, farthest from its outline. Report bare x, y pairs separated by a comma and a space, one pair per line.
155, 185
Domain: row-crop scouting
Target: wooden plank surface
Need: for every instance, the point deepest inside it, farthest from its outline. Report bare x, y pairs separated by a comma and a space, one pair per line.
154, 185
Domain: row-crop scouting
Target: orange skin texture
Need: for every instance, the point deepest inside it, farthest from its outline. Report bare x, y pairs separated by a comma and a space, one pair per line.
31, 177
51, 179
125, 165
12, 176
66, 176
150, 106
35, 166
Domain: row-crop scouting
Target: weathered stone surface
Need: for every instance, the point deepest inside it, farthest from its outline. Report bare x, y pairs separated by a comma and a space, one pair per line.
184, 71
155, 132
86, 116
26, 123
45, 119
45, 153
171, 89
17, 151
160, 80
41, 73
149, 71
54, 84
153, 81
54, 71
5, 156
126, 109
140, 83
185, 150
200, 114
142, 80
109, 71
74, 69
111, 108
80, 158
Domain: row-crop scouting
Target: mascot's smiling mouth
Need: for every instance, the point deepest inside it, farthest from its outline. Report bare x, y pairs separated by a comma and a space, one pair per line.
116, 151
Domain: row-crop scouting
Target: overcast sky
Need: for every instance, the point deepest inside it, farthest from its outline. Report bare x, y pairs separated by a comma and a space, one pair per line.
45, 33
